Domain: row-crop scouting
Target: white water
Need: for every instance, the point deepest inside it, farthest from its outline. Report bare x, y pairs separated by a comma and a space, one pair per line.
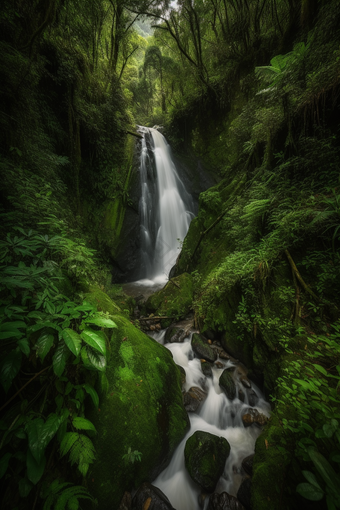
217, 415
166, 208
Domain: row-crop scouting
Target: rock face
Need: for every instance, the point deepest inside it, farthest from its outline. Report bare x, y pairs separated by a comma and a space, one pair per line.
244, 493
227, 384
174, 300
206, 368
205, 456
140, 407
193, 398
149, 497
224, 502
202, 349
253, 416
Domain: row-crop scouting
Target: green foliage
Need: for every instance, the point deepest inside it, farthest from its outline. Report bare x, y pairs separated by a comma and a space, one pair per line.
132, 456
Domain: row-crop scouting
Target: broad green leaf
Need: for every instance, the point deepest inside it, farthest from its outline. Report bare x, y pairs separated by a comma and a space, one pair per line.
320, 369
10, 334
72, 340
329, 429
97, 360
325, 470
35, 469
93, 394
10, 326
44, 344
309, 491
4, 464
83, 424
44, 324
95, 340
25, 487
60, 358
305, 384
24, 346
40, 434
10, 368
310, 477
101, 321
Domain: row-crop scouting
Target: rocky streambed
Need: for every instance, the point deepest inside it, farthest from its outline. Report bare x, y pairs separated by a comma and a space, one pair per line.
212, 466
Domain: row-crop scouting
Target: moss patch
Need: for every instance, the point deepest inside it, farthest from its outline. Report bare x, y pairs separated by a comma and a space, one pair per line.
140, 408
174, 300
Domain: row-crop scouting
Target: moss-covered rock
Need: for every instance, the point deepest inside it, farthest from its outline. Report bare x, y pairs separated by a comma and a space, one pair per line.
227, 384
140, 408
205, 457
102, 301
202, 349
174, 300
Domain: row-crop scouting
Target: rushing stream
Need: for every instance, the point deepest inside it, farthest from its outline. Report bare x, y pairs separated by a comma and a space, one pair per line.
216, 415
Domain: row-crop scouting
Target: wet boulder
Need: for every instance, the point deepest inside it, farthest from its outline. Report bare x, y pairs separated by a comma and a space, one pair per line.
245, 382
141, 407
224, 501
206, 368
253, 398
253, 416
193, 398
205, 457
174, 334
244, 493
227, 384
247, 464
202, 349
149, 497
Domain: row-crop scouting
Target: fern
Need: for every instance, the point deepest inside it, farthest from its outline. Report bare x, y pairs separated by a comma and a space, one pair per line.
60, 495
83, 424
80, 449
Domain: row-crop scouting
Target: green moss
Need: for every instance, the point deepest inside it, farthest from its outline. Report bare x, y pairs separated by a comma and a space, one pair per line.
102, 301
175, 299
141, 408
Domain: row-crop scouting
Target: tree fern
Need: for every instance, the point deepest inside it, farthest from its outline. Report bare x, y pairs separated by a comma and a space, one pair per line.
80, 449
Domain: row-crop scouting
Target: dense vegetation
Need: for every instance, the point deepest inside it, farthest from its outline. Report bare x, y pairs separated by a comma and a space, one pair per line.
251, 87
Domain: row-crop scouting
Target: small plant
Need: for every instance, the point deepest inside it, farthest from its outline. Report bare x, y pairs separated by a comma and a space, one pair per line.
131, 456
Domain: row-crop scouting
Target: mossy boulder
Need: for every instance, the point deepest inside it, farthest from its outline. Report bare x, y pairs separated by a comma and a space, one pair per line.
227, 384
202, 349
205, 457
174, 300
140, 408
174, 334
102, 301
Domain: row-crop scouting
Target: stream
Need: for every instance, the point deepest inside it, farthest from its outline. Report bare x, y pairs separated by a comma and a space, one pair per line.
166, 210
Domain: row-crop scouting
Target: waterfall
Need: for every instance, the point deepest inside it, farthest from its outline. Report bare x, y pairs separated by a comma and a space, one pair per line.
166, 208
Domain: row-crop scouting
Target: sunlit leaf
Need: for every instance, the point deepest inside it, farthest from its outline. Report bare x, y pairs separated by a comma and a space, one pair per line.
95, 339
72, 340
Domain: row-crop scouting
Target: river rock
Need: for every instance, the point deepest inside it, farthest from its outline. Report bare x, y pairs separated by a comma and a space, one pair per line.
253, 416
244, 493
218, 364
174, 334
241, 395
224, 501
193, 398
223, 355
247, 464
206, 368
227, 384
149, 497
245, 382
205, 457
202, 349
253, 398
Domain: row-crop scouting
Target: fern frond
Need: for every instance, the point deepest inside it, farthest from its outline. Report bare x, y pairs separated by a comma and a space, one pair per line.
70, 497
67, 442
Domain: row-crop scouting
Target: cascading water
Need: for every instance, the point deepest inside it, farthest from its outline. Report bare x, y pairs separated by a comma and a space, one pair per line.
217, 415
166, 208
